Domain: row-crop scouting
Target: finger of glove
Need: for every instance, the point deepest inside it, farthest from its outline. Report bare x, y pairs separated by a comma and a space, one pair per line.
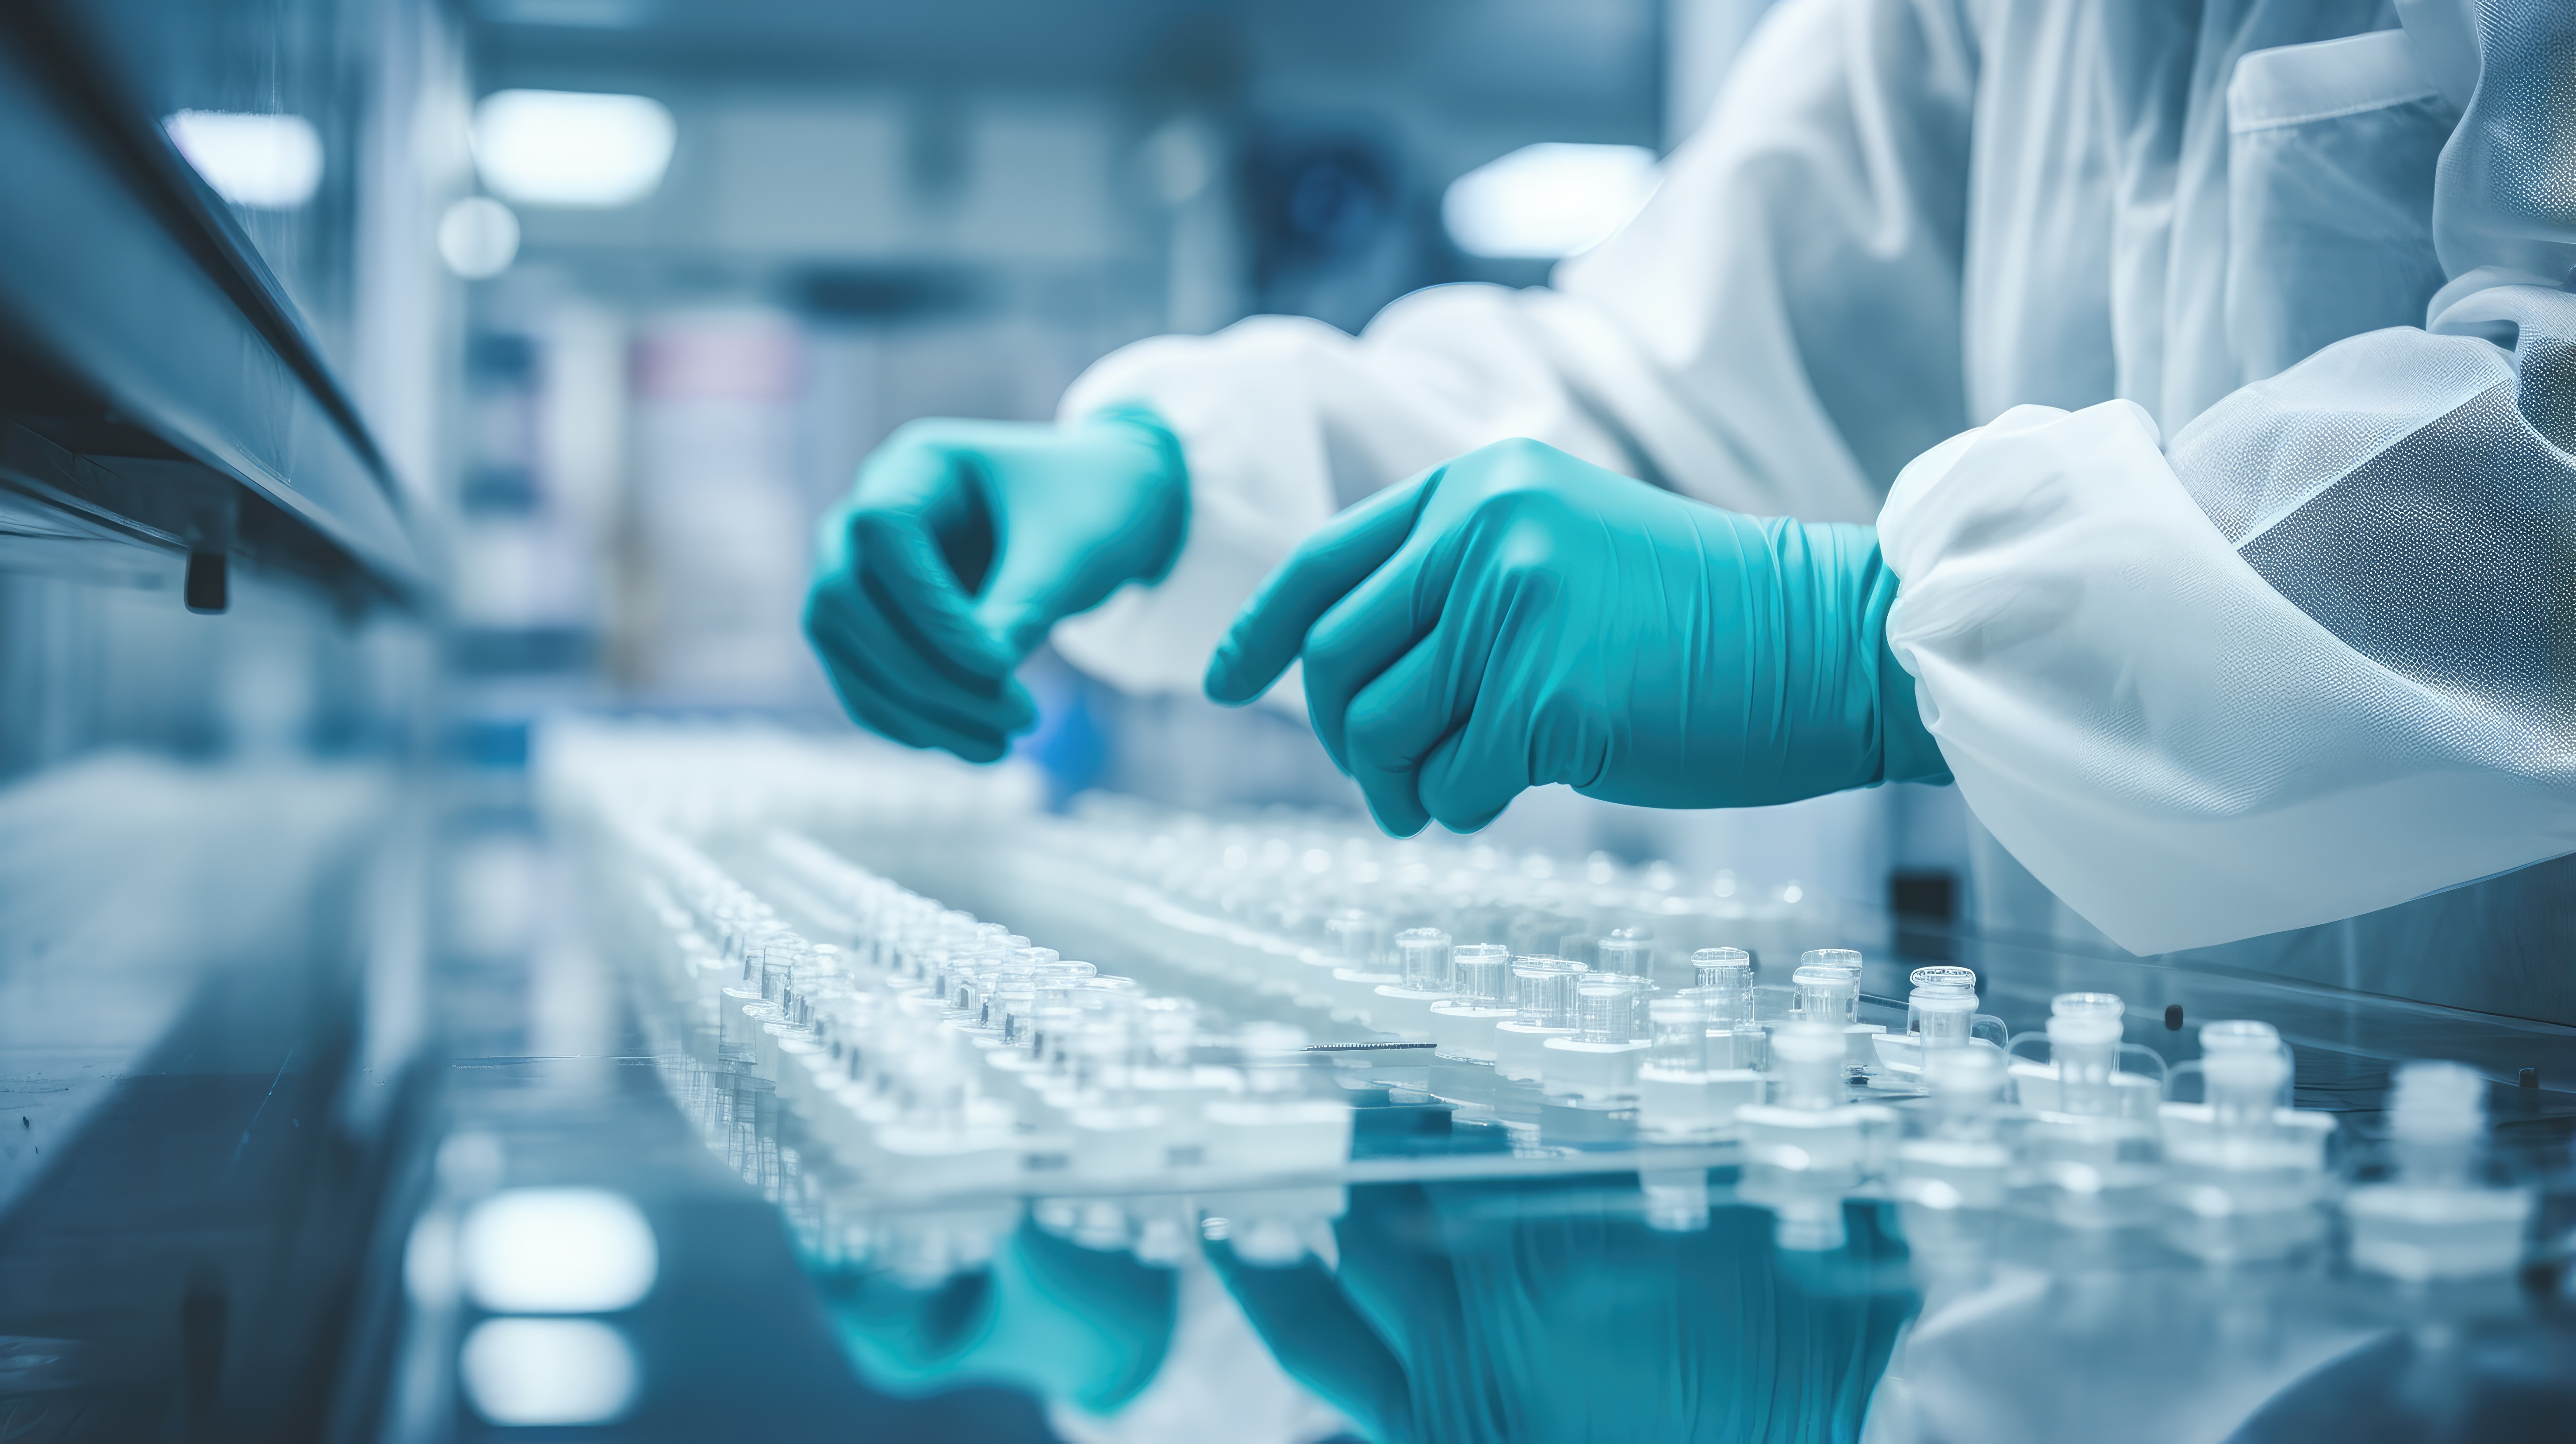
1383, 619
918, 470
871, 708
1469, 776
1270, 630
864, 608
865, 693
1468, 779
897, 561
1403, 713
889, 687
1473, 588
1321, 1341
1098, 506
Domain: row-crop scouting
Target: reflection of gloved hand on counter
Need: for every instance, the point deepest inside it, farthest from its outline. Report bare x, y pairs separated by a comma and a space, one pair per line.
1069, 1324
1546, 1312
1119, 1351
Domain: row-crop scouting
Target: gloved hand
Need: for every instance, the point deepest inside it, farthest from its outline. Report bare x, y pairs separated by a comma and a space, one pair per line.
1518, 617
962, 543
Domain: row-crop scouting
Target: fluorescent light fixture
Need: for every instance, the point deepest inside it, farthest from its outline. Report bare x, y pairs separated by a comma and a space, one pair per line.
576, 14
478, 238
572, 148
537, 1372
1546, 201
556, 1251
272, 162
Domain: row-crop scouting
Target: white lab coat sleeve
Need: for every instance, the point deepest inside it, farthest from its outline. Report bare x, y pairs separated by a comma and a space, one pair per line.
2317, 655
1777, 332
1282, 422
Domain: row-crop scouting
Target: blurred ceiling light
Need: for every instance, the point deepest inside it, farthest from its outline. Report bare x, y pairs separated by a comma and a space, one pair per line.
1546, 201
273, 162
536, 1372
478, 238
571, 148
574, 14
429, 1260
1182, 158
556, 1251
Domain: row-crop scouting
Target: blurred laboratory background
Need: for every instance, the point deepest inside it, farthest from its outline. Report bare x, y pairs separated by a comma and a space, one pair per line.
752, 240
384, 383
383, 377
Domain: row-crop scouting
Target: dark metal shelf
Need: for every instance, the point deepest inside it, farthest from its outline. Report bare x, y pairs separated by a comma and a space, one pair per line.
157, 381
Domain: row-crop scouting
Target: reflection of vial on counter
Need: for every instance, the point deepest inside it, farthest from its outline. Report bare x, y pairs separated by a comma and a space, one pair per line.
1276, 1124
2244, 1172
1959, 1162
2436, 1218
1684, 1092
1806, 1148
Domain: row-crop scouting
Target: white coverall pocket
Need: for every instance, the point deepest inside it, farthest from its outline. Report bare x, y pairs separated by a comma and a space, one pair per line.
2331, 153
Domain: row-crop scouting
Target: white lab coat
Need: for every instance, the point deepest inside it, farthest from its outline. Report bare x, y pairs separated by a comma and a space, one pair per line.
2206, 367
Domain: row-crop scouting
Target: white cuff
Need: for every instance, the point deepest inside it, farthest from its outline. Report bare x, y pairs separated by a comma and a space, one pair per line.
2172, 747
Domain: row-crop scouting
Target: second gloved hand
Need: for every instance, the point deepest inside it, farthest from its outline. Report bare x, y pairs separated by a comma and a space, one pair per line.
962, 543
1518, 617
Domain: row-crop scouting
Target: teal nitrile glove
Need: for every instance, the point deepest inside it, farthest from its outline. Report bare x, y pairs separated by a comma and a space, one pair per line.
1518, 617
962, 543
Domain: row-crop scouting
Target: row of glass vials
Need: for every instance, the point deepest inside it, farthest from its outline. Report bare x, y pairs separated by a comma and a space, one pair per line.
933, 1053
1278, 888
2054, 1116
928, 1053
